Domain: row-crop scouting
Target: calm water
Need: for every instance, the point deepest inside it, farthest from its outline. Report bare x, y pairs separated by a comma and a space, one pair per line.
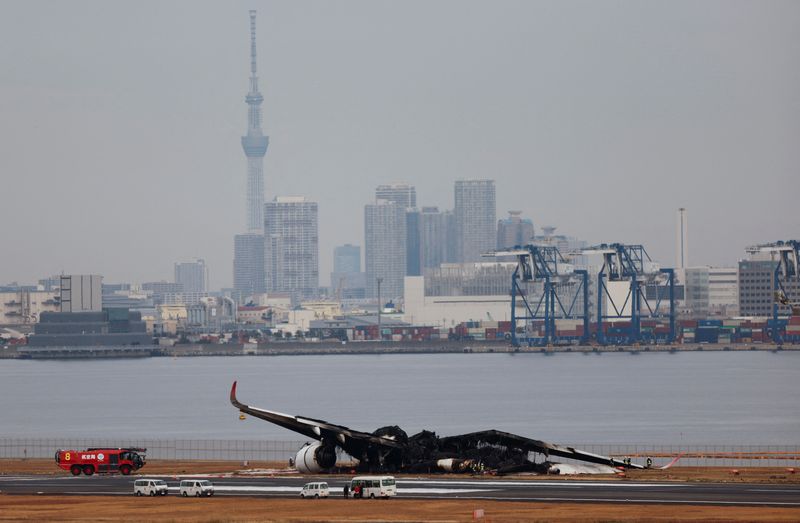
689, 398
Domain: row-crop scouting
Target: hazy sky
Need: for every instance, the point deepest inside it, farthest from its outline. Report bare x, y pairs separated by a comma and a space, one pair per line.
120, 122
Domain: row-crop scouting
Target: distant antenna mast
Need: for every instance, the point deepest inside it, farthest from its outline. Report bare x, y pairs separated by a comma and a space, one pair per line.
253, 77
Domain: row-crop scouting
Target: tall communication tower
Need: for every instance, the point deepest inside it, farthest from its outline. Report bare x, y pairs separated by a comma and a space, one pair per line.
681, 240
254, 143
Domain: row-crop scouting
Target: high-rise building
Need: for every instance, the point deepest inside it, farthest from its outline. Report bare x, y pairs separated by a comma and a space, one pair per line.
385, 248
347, 259
476, 218
434, 237
248, 265
291, 247
514, 230
347, 280
254, 143
413, 242
192, 275
400, 193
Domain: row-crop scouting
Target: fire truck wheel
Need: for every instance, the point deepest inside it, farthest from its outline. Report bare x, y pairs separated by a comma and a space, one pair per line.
76, 470
88, 470
125, 470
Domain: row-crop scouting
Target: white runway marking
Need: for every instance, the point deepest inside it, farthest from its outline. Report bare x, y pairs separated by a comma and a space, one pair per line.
440, 491
554, 484
773, 490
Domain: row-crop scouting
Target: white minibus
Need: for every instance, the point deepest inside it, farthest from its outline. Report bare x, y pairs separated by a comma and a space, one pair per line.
373, 487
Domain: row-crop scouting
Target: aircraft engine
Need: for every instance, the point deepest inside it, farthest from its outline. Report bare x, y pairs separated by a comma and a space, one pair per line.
314, 458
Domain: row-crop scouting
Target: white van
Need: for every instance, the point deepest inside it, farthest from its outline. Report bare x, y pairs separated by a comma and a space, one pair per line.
150, 487
373, 487
315, 490
196, 487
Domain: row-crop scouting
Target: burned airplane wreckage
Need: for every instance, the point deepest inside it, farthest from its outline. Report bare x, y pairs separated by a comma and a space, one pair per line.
390, 449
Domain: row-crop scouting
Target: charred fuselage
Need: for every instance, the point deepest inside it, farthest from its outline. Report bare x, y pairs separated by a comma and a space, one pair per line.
390, 449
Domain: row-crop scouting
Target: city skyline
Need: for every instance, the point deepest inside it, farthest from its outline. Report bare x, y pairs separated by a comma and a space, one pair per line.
605, 136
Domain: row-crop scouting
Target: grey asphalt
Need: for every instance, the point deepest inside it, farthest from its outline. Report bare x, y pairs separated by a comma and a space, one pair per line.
450, 488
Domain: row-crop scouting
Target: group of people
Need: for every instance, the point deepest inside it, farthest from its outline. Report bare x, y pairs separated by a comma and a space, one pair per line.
357, 491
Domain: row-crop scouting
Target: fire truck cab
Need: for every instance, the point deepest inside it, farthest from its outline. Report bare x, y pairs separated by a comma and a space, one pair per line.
101, 460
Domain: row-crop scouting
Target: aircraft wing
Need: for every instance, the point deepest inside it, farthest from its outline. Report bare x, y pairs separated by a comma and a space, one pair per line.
506, 439
314, 428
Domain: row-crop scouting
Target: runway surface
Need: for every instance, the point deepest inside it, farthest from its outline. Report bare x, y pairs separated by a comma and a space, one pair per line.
497, 489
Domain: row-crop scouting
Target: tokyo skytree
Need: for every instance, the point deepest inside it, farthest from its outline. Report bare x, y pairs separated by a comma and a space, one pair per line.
254, 143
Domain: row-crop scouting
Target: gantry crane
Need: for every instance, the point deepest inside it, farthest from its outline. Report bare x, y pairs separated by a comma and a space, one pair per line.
786, 254
630, 263
544, 264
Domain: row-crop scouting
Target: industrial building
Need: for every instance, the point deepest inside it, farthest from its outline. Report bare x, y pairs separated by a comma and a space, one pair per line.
459, 292
107, 327
210, 315
450, 310
23, 307
81, 293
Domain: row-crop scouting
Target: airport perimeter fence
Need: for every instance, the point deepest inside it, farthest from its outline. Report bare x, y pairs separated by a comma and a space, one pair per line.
173, 449
281, 451
699, 455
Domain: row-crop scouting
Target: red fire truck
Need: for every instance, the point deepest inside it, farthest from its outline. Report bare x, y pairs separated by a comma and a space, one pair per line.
99, 460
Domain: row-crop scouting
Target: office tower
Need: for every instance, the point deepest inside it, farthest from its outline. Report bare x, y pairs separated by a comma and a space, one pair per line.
254, 143
681, 240
248, 264
385, 249
347, 259
401, 193
291, 247
476, 218
514, 230
192, 275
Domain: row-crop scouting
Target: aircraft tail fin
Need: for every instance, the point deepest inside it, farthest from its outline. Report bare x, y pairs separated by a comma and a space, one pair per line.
668, 465
234, 401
